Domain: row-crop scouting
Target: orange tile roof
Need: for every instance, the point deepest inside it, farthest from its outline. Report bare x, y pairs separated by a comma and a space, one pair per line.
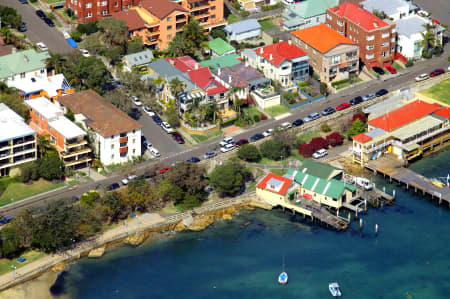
404, 115
280, 52
444, 112
131, 18
162, 8
359, 15
362, 138
321, 37
286, 183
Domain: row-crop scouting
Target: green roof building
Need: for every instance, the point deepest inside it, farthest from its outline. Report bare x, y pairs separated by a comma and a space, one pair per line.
23, 64
306, 14
321, 170
222, 61
219, 47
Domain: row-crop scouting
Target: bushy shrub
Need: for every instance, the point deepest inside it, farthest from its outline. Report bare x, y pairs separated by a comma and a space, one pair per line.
256, 118
273, 150
249, 152
318, 143
409, 63
325, 128
335, 139
305, 150
359, 116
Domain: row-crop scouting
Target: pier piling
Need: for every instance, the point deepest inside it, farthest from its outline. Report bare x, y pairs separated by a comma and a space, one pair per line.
360, 224
376, 230
348, 217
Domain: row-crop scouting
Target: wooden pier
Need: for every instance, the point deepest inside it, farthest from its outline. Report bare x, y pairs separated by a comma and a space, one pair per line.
393, 169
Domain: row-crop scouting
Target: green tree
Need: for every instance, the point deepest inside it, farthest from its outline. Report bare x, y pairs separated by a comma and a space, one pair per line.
428, 41
135, 45
51, 167
218, 32
24, 223
273, 150
114, 31
249, 152
11, 245
379, 13
90, 198
10, 17
112, 206
70, 115
168, 191
44, 145
140, 195
189, 41
323, 88
357, 127
172, 116
175, 47
229, 179
55, 62
190, 177
14, 102
176, 86
87, 73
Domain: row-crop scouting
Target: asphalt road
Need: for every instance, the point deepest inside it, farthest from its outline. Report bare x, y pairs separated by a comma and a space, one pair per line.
37, 29
440, 9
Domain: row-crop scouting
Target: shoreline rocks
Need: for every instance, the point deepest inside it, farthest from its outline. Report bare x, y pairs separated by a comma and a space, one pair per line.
96, 253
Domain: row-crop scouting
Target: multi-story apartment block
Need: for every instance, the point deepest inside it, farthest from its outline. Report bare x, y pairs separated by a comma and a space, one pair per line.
17, 141
283, 62
208, 12
23, 64
115, 136
93, 10
69, 139
332, 56
375, 37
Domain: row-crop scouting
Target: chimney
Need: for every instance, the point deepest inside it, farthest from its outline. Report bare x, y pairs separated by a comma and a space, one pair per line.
218, 71
229, 79
171, 62
271, 56
196, 66
246, 64
289, 42
375, 23
262, 50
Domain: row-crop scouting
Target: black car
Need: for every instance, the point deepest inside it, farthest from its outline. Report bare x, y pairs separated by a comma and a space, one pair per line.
113, 186
328, 111
49, 22
157, 119
40, 14
297, 122
256, 137
356, 100
378, 70
381, 92
22, 27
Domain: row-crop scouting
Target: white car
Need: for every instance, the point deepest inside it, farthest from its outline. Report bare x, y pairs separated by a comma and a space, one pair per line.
66, 35
42, 46
268, 133
85, 53
227, 140
285, 126
155, 152
148, 144
423, 13
320, 153
128, 179
148, 111
422, 77
228, 147
166, 127
136, 101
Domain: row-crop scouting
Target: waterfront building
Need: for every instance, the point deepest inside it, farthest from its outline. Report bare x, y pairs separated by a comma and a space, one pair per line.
306, 14
23, 64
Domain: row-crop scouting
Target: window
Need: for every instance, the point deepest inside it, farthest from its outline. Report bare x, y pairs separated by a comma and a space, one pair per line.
89, 14
213, 16
169, 19
317, 20
351, 27
308, 21
105, 12
112, 157
123, 144
112, 146
335, 59
370, 37
169, 36
329, 17
392, 49
340, 23
369, 47
385, 44
350, 37
384, 53
88, 5
116, 4
134, 140
104, 3
384, 35
42, 71
213, 8
22, 75
134, 151
393, 30
123, 135
123, 155
341, 32
169, 27
369, 56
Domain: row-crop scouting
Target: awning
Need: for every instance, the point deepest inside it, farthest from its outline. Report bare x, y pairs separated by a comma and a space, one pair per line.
308, 196
411, 147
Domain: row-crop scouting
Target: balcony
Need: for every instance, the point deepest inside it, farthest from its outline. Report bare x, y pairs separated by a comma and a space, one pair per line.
180, 18
123, 150
75, 142
199, 5
76, 152
23, 140
123, 139
76, 162
4, 144
201, 14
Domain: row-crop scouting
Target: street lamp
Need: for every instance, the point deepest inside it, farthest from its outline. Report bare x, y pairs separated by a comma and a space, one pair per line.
14, 271
282, 165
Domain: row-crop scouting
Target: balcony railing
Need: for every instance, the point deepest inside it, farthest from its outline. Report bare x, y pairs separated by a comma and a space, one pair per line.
123, 139
72, 153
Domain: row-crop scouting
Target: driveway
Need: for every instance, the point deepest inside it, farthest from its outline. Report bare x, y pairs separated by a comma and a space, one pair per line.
37, 30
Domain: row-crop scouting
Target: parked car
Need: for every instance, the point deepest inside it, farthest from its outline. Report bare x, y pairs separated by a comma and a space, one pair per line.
378, 70
423, 13
228, 147
422, 77
328, 111
23, 1
311, 117
356, 100
49, 22
177, 137
42, 46
285, 126
128, 179
320, 153
148, 111
147, 144
241, 142
391, 69
166, 127
267, 133
113, 186
226, 140
163, 169
85, 53
155, 152
157, 119
40, 14
256, 137
437, 72
209, 155
5, 220
435, 21
23, 27
342, 106
193, 160
297, 122
369, 96
136, 101
381, 92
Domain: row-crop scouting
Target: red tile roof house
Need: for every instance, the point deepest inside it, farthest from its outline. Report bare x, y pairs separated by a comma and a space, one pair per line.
282, 62
405, 132
274, 188
375, 37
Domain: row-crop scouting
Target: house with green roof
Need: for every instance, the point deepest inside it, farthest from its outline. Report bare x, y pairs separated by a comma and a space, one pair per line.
23, 64
318, 169
306, 14
222, 61
219, 47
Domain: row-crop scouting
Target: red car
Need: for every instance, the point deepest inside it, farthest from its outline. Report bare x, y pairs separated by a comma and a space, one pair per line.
437, 72
343, 106
391, 69
163, 169
436, 21
241, 142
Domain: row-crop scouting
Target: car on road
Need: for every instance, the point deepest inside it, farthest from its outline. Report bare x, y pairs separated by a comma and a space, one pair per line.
378, 70
422, 77
369, 96
209, 155
267, 133
40, 14
23, 1
166, 127
437, 72
285, 126
297, 122
49, 22
23, 27
320, 153
423, 13
256, 137
155, 152
241, 142
85, 53
391, 69
328, 111
435, 21
193, 160
157, 119
5, 220
343, 106
356, 100
147, 144
148, 111
136, 101
381, 92
177, 137
228, 147
128, 179
76, 198
163, 169
42, 46
226, 140
113, 186
311, 117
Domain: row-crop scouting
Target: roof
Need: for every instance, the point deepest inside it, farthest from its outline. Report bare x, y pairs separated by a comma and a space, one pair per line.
389, 7
360, 16
169, 72
222, 61
231, 77
5, 49
22, 62
361, 137
321, 37
183, 63
161, 8
44, 107
103, 117
131, 18
444, 112
308, 9
281, 183
12, 125
241, 75
331, 188
280, 51
220, 46
420, 125
66, 128
410, 25
404, 115
205, 80
319, 169
242, 26
139, 58
35, 84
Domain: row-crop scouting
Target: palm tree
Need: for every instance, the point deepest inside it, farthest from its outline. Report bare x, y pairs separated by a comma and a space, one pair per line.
176, 86
213, 108
56, 62
428, 38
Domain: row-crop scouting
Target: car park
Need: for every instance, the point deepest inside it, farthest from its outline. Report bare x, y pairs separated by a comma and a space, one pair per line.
256, 137
391, 69
42, 46
267, 133
378, 70
23, 27
320, 153
157, 119
285, 126
437, 72
241, 142
128, 179
113, 186
49, 22
136, 101
422, 77
163, 169
227, 147
40, 14
356, 100
148, 111
328, 111
369, 96
166, 127
311, 117
381, 92
85, 53
193, 160
342, 106
155, 152
147, 144
297, 122
209, 155
226, 140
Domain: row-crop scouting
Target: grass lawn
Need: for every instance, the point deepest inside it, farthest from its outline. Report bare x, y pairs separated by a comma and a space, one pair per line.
18, 191
251, 186
251, 111
277, 110
279, 171
348, 83
266, 24
306, 137
397, 66
440, 92
233, 19
31, 256
202, 138
55, 1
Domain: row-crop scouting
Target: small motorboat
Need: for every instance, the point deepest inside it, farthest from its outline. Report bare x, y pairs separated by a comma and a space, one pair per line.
283, 278
437, 183
334, 289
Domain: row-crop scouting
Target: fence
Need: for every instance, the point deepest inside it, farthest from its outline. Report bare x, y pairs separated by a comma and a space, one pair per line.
309, 100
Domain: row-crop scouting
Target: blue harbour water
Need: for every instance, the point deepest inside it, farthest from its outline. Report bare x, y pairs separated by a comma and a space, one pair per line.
409, 257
